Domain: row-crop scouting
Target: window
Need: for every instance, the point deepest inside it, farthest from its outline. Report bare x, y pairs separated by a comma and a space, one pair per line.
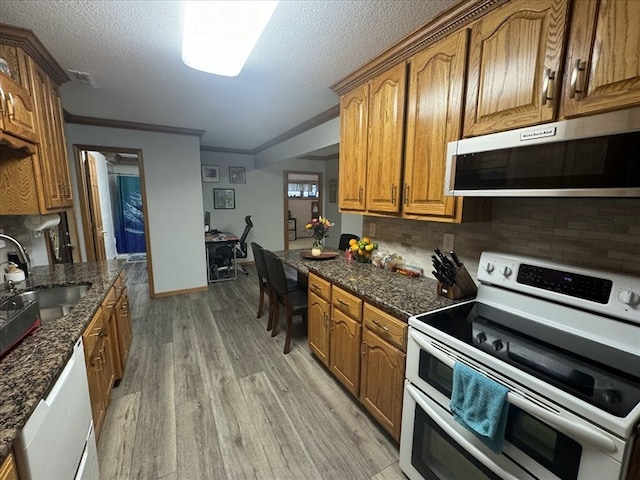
303, 190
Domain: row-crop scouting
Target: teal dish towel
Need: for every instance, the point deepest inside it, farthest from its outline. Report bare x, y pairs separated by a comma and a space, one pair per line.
480, 404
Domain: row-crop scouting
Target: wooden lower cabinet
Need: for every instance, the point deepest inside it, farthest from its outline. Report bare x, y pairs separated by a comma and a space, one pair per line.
363, 347
383, 367
100, 372
8, 470
107, 339
318, 327
344, 355
123, 321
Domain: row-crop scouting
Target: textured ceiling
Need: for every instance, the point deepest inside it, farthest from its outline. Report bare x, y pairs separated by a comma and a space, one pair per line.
132, 49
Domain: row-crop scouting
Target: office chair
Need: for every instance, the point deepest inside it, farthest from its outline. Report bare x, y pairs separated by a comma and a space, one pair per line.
223, 259
344, 240
242, 251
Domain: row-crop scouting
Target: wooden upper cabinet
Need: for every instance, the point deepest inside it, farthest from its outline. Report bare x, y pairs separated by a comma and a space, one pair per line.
434, 118
52, 151
385, 144
17, 120
354, 108
603, 59
514, 66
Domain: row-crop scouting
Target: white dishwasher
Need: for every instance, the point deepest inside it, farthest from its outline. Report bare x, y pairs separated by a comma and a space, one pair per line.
58, 441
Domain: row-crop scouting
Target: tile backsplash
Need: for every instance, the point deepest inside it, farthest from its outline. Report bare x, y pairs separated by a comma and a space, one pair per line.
598, 233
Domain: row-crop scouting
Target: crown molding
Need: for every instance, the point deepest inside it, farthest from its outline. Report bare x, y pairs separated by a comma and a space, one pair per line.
147, 127
207, 148
319, 119
26, 40
453, 19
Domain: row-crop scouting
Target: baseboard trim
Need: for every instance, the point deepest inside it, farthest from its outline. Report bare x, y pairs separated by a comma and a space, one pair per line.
171, 293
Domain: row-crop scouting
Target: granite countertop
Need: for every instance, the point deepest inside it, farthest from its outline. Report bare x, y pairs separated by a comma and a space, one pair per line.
397, 294
28, 372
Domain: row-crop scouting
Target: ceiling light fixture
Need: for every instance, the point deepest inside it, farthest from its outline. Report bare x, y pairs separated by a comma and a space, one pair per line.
218, 36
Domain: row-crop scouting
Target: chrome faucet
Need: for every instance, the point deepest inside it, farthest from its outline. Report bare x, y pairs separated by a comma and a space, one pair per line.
22, 253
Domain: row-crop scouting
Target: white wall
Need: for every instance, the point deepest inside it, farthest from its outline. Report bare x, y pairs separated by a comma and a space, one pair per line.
331, 209
316, 138
262, 197
174, 200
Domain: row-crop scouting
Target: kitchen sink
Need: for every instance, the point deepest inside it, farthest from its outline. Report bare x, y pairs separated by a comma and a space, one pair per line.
18, 317
21, 314
54, 302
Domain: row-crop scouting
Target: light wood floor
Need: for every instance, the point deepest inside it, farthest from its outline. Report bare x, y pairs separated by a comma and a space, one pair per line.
208, 394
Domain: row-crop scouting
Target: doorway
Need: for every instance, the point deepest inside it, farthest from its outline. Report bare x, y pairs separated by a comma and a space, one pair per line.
302, 202
113, 203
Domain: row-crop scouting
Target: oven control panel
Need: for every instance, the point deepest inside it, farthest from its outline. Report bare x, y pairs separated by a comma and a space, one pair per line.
599, 291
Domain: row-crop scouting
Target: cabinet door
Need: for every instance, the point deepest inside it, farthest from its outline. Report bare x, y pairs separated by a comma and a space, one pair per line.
97, 383
124, 328
52, 149
382, 377
16, 109
318, 320
603, 60
52, 193
353, 148
385, 144
61, 161
8, 470
345, 350
514, 65
434, 118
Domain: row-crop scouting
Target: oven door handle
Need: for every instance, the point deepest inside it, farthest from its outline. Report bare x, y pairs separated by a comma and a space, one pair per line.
457, 437
575, 430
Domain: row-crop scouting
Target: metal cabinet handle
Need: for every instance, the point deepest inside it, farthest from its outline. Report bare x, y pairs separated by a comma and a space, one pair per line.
379, 325
3, 100
317, 287
549, 76
394, 187
12, 110
360, 194
98, 332
364, 348
326, 318
579, 66
406, 194
343, 303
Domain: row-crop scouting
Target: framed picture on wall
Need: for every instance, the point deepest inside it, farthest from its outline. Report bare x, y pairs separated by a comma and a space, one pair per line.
211, 173
333, 190
237, 175
224, 198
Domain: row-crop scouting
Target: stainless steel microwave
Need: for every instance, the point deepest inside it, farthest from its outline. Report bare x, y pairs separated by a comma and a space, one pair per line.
597, 155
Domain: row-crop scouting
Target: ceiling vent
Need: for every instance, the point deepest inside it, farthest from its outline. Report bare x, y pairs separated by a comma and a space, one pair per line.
83, 78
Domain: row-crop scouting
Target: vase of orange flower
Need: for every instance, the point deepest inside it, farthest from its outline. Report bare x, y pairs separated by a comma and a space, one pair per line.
318, 228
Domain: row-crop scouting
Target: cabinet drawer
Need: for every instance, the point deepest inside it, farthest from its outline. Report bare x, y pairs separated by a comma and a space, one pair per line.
320, 287
92, 333
347, 303
109, 301
391, 329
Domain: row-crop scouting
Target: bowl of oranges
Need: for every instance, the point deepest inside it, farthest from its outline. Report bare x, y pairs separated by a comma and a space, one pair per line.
362, 249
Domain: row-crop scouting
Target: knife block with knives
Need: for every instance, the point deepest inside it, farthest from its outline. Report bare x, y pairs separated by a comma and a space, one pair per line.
454, 281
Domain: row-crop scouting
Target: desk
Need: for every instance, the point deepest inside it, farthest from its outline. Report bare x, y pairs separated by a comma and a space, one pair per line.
213, 241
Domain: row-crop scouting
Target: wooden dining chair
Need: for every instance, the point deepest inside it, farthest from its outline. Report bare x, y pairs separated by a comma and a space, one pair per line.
261, 269
344, 241
294, 301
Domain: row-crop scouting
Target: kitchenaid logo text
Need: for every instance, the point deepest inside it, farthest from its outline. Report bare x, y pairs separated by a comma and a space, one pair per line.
547, 132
